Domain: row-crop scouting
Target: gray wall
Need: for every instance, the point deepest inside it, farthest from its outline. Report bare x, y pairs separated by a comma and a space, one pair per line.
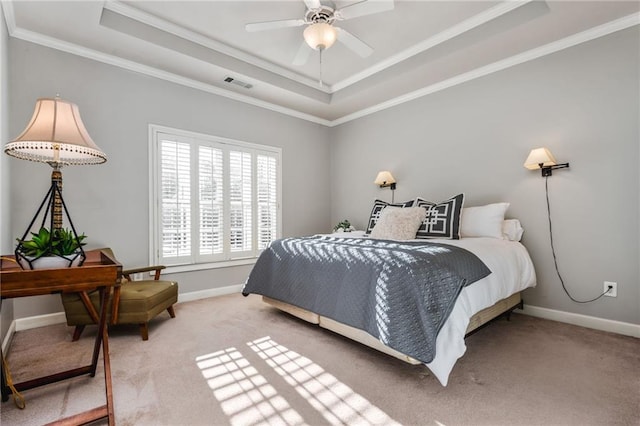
6, 244
583, 104
109, 202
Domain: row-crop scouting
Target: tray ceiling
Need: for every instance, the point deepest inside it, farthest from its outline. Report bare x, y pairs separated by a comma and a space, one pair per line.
419, 47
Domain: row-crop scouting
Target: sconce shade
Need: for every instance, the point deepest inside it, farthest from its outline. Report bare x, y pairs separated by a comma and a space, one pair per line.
539, 156
384, 178
56, 135
320, 35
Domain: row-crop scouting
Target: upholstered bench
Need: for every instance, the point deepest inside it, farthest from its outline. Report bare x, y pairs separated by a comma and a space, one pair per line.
139, 302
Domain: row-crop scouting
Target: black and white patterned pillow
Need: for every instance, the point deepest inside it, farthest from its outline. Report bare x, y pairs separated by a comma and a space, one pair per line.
442, 220
378, 206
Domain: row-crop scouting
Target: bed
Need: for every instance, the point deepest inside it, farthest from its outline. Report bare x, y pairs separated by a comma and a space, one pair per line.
477, 301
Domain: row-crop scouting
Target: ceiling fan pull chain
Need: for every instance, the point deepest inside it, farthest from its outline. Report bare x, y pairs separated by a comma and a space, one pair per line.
320, 49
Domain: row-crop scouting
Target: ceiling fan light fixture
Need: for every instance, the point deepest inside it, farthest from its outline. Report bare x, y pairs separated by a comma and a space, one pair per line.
320, 35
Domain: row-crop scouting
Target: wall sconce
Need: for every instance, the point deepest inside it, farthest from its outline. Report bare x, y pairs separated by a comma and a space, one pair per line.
385, 180
541, 158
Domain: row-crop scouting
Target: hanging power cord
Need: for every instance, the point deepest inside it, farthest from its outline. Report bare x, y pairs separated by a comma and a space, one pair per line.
320, 78
553, 250
18, 399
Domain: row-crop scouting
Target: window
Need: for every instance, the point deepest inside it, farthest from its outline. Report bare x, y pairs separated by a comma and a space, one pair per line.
214, 201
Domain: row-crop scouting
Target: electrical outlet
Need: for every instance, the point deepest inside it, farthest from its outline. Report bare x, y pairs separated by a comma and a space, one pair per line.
614, 289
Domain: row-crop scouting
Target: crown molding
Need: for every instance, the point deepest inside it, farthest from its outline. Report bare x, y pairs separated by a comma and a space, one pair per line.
456, 30
9, 16
550, 48
177, 30
98, 56
169, 27
530, 55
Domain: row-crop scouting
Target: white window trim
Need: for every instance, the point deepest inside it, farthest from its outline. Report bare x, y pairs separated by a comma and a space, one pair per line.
154, 236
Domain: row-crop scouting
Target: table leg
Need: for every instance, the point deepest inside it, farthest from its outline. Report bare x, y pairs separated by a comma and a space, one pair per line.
3, 384
107, 376
102, 339
103, 333
102, 326
5, 388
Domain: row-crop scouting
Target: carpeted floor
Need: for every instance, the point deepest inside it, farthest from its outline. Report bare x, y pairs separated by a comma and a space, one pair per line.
233, 360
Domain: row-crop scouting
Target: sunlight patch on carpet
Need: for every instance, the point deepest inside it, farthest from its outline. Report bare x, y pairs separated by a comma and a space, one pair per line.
244, 394
337, 402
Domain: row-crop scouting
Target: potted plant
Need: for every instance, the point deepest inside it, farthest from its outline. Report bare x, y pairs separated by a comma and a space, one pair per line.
45, 249
344, 226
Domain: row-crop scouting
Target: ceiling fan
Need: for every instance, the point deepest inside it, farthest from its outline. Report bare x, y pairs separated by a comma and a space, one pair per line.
320, 33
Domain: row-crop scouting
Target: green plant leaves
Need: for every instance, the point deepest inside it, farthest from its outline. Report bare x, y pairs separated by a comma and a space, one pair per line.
344, 225
60, 242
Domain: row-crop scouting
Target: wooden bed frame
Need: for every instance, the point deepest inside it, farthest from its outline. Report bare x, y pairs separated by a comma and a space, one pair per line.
502, 307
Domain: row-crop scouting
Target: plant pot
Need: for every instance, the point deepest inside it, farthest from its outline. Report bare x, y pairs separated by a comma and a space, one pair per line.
50, 262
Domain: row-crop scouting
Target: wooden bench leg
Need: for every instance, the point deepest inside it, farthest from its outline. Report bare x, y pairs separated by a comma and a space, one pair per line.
171, 311
77, 332
144, 331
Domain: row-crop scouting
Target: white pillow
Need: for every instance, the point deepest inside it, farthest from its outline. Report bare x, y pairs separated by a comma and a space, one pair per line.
483, 221
398, 223
512, 230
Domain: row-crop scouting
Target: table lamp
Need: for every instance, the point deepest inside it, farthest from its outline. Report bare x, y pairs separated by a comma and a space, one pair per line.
56, 136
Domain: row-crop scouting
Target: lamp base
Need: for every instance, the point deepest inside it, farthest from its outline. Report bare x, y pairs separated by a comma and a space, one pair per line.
55, 207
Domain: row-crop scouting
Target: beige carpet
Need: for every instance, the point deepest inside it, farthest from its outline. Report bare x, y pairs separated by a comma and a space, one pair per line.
233, 360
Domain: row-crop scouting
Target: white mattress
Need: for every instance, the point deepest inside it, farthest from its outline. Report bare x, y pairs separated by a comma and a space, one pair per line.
511, 271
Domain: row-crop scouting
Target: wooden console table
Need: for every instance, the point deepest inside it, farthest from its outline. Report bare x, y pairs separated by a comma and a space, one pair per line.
99, 272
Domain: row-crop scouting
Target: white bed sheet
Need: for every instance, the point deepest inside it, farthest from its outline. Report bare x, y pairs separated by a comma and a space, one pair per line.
511, 271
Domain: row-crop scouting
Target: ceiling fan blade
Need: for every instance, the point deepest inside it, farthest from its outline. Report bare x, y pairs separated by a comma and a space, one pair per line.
272, 25
353, 43
312, 4
303, 54
366, 7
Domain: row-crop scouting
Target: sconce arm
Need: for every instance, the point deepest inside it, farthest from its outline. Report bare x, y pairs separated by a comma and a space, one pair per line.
547, 171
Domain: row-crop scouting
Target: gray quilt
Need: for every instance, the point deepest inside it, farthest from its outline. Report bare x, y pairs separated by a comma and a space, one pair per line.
399, 292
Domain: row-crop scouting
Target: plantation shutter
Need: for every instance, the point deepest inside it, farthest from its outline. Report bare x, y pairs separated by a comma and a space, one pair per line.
267, 200
175, 205
211, 202
240, 204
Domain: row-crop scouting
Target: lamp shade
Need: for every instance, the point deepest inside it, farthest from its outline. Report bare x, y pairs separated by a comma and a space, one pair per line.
384, 178
320, 35
56, 135
539, 156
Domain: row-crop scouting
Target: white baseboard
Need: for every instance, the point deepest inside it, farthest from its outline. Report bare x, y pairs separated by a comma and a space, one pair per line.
212, 292
7, 338
58, 317
39, 321
612, 326
619, 327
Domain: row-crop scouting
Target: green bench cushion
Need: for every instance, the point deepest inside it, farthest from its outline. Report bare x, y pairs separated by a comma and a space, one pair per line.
140, 301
